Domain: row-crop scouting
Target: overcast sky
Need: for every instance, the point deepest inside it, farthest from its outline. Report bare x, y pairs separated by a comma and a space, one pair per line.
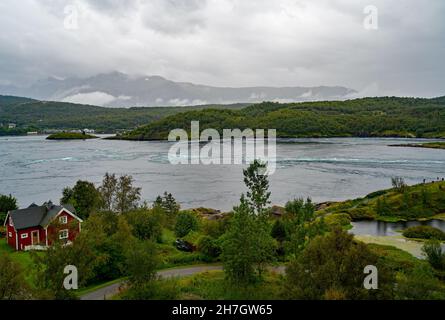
230, 42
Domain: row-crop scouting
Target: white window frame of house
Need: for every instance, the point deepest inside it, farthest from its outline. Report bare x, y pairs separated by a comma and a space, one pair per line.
10, 234
63, 219
24, 236
10, 222
62, 234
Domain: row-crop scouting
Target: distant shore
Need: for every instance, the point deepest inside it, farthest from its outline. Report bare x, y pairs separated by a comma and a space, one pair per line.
71, 136
429, 145
142, 138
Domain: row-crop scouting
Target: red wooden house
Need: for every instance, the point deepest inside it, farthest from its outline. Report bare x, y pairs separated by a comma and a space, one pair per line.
37, 227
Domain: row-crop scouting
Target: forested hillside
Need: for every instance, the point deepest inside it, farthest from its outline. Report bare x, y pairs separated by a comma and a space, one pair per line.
383, 117
387, 116
58, 115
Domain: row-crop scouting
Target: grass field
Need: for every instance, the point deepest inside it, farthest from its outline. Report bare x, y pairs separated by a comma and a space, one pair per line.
400, 242
212, 286
23, 258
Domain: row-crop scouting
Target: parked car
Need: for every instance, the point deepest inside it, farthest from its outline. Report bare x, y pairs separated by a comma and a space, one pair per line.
183, 245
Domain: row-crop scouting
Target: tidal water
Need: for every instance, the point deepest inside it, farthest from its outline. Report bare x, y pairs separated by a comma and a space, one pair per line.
381, 229
36, 170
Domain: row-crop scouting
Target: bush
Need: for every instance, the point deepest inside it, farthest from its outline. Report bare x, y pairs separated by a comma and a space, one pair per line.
163, 289
215, 228
209, 247
279, 231
338, 220
376, 194
399, 184
331, 267
146, 224
361, 214
433, 252
424, 232
419, 284
183, 258
185, 223
193, 238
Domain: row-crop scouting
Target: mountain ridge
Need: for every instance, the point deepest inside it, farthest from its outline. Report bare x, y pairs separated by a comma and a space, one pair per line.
117, 89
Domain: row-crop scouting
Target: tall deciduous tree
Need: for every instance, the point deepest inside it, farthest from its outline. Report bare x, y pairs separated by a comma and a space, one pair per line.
239, 252
257, 182
85, 198
108, 191
127, 196
169, 206
302, 225
248, 244
141, 263
146, 224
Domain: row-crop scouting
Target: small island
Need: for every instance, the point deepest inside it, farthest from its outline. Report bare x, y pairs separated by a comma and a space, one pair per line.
71, 136
430, 145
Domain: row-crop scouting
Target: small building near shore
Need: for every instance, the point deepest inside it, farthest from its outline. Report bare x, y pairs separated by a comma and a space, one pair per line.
38, 227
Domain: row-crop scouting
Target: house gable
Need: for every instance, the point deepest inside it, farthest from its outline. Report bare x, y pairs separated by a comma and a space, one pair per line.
55, 213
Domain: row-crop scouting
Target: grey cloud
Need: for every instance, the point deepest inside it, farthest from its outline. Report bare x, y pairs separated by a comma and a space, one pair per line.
231, 42
178, 16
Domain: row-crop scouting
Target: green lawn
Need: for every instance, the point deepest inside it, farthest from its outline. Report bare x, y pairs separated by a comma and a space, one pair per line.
213, 286
414, 248
23, 258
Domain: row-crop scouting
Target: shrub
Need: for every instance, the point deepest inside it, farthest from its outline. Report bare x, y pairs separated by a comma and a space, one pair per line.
146, 224
399, 184
209, 247
183, 258
185, 223
279, 231
215, 228
376, 194
331, 267
433, 252
419, 284
424, 232
361, 214
338, 220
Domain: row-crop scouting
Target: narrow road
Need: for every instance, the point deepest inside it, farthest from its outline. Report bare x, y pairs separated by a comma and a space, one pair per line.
111, 290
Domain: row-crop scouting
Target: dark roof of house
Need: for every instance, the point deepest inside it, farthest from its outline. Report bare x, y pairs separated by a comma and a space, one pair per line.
35, 216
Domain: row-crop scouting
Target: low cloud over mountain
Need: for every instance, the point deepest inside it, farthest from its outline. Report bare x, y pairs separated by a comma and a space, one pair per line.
120, 90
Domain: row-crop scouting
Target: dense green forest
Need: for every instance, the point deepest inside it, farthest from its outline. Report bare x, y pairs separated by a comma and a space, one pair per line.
383, 117
40, 115
367, 117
